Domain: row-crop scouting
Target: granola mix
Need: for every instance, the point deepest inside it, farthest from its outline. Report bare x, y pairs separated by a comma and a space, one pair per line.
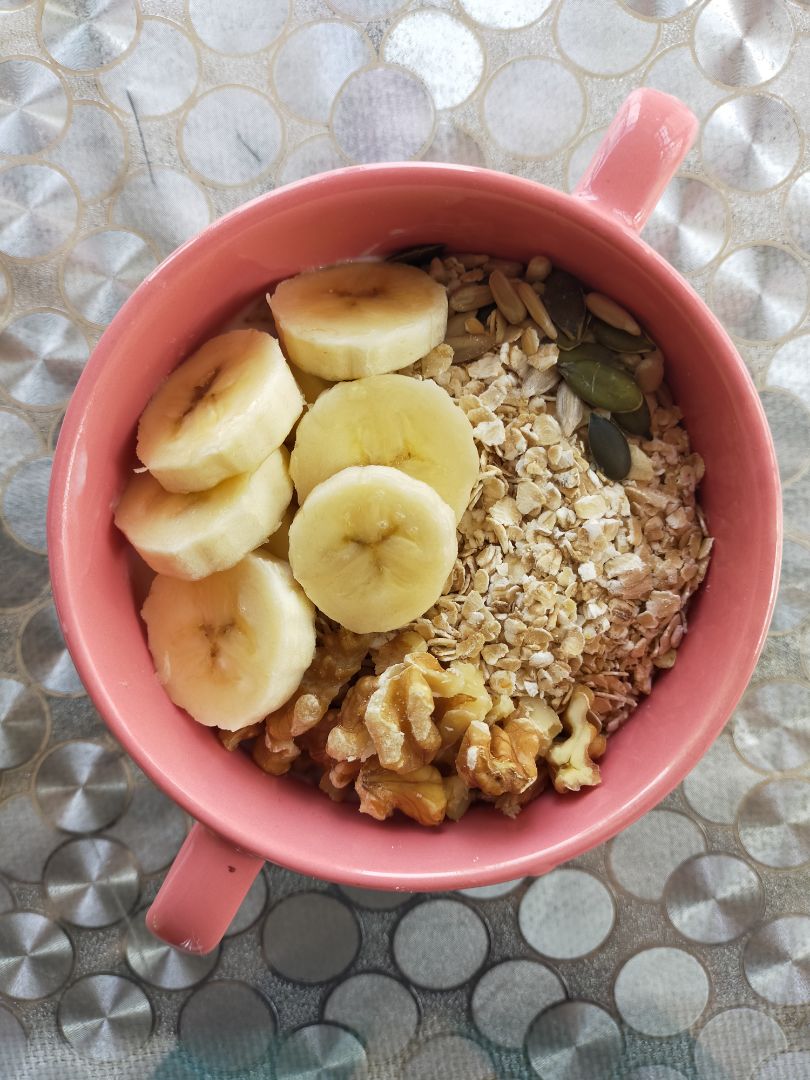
569, 592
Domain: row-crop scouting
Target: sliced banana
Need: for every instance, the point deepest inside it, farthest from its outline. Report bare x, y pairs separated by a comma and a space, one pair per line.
278, 543
388, 420
311, 386
222, 412
191, 536
233, 647
359, 318
373, 547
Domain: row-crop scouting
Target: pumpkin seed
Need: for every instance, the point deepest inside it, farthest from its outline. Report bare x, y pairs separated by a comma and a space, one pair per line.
565, 302
636, 422
415, 256
620, 340
609, 447
590, 350
601, 385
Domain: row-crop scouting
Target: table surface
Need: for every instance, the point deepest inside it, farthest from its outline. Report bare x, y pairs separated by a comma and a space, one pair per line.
681, 949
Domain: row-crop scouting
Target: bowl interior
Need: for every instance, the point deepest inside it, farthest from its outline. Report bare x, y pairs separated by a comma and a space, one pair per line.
361, 212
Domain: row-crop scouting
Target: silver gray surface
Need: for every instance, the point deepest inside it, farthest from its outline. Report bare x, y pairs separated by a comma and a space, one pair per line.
680, 950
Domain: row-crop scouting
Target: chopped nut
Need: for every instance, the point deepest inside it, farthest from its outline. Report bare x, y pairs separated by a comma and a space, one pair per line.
419, 794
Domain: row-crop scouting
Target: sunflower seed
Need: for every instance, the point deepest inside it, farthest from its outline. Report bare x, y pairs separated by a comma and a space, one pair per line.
470, 260
620, 340
508, 301
470, 297
601, 385
570, 410
565, 303
650, 372
438, 271
470, 346
415, 256
472, 325
456, 324
636, 422
612, 313
609, 447
538, 269
509, 267
529, 340
537, 309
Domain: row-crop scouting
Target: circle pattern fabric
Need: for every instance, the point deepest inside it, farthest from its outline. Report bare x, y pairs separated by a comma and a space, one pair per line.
676, 951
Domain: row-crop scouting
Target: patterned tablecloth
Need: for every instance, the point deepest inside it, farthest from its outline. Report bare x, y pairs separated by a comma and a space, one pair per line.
679, 950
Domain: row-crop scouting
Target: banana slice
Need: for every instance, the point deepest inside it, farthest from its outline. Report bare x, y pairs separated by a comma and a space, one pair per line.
360, 318
311, 386
279, 542
372, 547
192, 536
388, 420
233, 647
222, 412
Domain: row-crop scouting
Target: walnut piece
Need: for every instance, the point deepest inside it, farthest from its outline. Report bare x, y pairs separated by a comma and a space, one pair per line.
419, 794
459, 796
570, 761
396, 649
338, 657
276, 760
399, 719
512, 802
231, 739
503, 759
349, 739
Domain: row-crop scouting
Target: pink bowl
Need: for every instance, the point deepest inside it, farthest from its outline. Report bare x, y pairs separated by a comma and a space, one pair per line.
374, 209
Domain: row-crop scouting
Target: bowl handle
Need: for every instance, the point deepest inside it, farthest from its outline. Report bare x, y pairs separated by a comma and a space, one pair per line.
202, 892
647, 140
